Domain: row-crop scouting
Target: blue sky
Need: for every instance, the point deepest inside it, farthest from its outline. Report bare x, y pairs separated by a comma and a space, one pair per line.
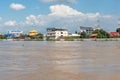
40, 14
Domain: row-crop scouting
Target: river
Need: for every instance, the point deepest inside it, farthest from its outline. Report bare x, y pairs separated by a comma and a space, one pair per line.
60, 60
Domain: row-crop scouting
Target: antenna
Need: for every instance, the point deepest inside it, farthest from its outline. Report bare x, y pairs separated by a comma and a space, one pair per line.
98, 23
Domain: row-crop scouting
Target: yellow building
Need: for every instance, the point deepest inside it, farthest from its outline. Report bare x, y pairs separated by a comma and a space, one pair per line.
33, 33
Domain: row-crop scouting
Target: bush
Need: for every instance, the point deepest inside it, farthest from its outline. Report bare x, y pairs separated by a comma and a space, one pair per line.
69, 39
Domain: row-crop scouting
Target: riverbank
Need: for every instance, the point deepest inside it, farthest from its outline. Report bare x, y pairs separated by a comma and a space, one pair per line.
78, 39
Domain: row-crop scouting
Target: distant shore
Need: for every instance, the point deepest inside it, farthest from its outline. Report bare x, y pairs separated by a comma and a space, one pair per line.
80, 39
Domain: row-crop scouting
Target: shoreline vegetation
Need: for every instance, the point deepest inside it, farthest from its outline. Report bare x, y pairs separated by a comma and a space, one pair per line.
96, 35
66, 39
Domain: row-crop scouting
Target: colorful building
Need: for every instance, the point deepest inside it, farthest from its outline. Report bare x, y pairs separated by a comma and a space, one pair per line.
33, 32
14, 33
114, 34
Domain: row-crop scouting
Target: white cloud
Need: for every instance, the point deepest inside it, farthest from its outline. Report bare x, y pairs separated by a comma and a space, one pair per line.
60, 1
63, 16
10, 23
63, 11
66, 11
16, 6
93, 15
35, 20
107, 16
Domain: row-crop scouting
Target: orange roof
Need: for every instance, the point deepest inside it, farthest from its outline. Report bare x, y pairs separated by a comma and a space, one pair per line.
93, 35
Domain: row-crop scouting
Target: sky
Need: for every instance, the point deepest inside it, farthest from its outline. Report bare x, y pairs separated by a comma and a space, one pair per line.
27, 15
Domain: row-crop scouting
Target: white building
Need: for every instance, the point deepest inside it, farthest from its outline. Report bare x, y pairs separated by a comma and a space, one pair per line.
16, 33
55, 33
88, 30
74, 35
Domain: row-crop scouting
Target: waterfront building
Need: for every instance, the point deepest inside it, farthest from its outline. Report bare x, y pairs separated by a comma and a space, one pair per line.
33, 33
114, 34
55, 33
14, 33
74, 35
88, 30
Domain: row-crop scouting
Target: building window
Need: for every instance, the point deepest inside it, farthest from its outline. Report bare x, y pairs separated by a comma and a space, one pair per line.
61, 32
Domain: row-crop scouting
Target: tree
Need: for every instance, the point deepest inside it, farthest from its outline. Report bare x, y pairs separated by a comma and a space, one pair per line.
76, 32
40, 36
118, 30
101, 33
83, 34
2, 37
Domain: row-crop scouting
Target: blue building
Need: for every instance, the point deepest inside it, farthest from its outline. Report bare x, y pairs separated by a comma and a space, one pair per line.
14, 34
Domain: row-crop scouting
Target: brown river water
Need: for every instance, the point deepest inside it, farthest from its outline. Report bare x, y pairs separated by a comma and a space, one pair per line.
61, 60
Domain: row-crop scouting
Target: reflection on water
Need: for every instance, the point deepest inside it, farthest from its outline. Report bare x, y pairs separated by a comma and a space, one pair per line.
85, 60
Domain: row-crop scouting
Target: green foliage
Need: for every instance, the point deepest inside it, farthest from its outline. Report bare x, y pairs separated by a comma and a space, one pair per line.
36, 37
69, 39
101, 33
118, 30
2, 37
84, 35
53, 39
40, 36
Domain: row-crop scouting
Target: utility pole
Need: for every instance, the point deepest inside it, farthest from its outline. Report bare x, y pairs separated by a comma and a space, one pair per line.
98, 23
